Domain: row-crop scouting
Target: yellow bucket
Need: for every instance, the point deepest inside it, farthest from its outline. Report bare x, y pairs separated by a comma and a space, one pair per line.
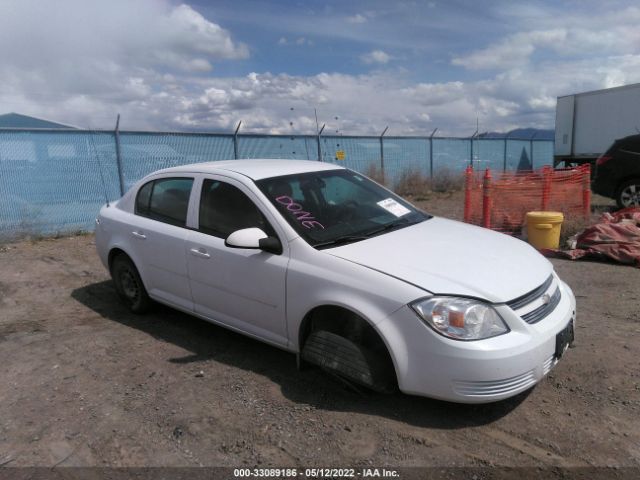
543, 229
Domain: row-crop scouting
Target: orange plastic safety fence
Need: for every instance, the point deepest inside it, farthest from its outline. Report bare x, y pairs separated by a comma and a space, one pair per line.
501, 200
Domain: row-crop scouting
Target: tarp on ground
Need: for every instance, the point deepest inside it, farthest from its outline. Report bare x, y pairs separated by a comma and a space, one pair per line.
615, 238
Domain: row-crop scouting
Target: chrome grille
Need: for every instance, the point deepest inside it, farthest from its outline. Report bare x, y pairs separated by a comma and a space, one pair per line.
542, 311
527, 298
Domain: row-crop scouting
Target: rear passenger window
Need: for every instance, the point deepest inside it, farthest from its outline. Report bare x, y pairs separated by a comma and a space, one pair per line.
142, 200
165, 200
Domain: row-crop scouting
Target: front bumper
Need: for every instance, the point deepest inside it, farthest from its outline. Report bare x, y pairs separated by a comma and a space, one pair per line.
482, 371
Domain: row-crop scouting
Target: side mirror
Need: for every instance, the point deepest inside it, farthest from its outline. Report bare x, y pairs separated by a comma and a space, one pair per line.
253, 238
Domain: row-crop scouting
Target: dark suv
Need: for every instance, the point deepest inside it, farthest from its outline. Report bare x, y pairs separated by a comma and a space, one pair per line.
617, 172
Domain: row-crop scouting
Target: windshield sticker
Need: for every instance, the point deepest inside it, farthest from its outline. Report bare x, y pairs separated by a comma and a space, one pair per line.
393, 207
305, 218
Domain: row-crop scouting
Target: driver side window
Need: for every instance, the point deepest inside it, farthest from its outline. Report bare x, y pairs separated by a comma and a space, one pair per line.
225, 209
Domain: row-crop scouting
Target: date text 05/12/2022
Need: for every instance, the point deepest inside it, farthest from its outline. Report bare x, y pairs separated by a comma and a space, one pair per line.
315, 473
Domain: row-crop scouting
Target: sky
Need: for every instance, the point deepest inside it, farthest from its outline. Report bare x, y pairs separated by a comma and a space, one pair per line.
358, 66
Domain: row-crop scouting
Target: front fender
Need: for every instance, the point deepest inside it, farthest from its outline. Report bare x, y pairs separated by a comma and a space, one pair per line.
315, 279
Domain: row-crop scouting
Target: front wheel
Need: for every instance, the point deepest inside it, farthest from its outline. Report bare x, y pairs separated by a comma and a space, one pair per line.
350, 361
129, 284
629, 194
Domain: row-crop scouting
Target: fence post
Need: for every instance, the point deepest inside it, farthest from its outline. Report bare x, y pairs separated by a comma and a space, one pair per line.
486, 199
586, 191
546, 187
471, 152
118, 156
531, 147
318, 138
235, 141
504, 165
382, 153
471, 147
468, 178
431, 153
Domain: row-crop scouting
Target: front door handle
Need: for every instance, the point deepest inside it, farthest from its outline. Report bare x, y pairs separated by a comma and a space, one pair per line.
199, 252
139, 235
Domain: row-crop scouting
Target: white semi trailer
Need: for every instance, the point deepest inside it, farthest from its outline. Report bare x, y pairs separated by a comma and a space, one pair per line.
588, 123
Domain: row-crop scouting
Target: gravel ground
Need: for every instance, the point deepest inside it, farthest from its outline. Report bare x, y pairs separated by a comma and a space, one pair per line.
85, 383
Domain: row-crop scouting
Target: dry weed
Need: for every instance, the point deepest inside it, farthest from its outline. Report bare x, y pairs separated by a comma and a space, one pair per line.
412, 183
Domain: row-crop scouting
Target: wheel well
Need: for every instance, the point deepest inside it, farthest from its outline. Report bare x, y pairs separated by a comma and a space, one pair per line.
114, 253
345, 323
634, 177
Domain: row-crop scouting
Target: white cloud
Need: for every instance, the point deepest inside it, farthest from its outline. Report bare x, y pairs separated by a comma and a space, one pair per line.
187, 31
578, 35
432, 94
73, 54
364, 104
155, 64
513, 51
357, 18
375, 56
154, 34
300, 41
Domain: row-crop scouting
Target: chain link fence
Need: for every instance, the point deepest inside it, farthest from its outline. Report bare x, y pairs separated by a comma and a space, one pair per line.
54, 181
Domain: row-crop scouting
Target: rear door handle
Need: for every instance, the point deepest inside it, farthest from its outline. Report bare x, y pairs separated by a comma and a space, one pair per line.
199, 252
139, 235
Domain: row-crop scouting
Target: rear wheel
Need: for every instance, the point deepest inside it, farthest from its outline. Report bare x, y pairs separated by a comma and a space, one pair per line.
629, 194
129, 284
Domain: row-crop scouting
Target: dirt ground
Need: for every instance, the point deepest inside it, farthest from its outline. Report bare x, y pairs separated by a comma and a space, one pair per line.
85, 383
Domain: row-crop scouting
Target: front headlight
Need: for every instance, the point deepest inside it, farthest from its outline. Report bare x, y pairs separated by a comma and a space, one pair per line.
460, 318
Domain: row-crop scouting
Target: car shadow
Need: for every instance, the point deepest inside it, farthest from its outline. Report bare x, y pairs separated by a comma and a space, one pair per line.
311, 386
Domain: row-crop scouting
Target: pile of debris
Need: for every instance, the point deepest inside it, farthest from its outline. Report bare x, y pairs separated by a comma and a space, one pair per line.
616, 237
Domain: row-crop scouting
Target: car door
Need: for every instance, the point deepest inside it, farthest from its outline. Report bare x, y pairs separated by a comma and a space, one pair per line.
158, 238
240, 288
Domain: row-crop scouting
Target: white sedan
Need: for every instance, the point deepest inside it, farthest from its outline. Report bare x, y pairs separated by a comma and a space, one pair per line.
321, 261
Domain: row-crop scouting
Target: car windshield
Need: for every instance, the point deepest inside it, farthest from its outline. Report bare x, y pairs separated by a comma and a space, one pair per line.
334, 207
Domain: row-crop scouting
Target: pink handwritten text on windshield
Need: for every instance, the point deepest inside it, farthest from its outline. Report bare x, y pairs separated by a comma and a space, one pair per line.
305, 218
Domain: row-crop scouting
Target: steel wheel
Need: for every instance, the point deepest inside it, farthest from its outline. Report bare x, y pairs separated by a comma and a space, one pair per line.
130, 287
129, 284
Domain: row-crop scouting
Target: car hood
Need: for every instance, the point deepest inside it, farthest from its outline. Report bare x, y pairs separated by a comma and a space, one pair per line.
448, 257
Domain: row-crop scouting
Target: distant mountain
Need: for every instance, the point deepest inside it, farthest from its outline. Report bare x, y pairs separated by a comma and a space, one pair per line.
522, 133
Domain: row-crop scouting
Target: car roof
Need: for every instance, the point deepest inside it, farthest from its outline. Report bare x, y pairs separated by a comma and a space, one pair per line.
635, 138
256, 169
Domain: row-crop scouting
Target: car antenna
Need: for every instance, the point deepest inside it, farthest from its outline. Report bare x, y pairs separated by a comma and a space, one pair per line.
95, 151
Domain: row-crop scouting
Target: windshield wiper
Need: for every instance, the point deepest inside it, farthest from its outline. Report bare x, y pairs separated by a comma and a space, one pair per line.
400, 223
344, 239
341, 240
